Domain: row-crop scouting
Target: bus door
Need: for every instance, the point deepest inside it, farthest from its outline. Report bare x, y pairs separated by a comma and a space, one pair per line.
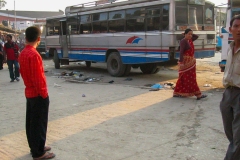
63, 39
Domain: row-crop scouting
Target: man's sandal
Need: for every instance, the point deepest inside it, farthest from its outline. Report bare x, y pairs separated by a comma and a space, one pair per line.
202, 96
47, 155
46, 148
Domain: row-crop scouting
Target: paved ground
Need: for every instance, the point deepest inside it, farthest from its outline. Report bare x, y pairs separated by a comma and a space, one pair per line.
119, 121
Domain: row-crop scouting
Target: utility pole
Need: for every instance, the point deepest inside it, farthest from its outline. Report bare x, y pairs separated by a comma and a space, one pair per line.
15, 25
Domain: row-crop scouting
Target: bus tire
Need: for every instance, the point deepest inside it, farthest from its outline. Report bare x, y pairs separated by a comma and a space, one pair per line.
56, 60
88, 63
156, 71
128, 69
149, 68
115, 66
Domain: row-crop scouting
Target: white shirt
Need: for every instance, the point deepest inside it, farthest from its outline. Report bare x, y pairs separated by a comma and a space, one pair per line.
231, 75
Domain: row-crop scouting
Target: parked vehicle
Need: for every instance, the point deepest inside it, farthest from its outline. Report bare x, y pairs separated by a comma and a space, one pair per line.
125, 34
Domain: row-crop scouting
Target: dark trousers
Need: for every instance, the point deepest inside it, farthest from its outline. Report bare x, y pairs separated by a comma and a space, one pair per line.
230, 110
10, 64
36, 124
1, 61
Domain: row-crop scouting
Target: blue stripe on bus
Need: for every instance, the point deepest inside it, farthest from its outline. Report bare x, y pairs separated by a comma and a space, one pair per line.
199, 54
135, 60
125, 59
87, 57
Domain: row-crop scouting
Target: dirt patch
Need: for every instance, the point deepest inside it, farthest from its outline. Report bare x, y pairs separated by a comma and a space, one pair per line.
208, 75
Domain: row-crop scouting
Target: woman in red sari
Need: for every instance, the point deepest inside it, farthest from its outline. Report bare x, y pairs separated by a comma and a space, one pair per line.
187, 83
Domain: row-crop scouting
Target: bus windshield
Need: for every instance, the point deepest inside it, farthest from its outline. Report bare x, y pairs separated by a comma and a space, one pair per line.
194, 14
235, 4
42, 27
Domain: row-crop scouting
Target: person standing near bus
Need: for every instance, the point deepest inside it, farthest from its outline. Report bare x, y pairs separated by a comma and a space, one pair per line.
186, 85
36, 92
230, 103
11, 57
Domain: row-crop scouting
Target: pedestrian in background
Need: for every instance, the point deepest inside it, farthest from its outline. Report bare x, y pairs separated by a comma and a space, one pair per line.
36, 92
230, 104
1, 56
186, 85
11, 51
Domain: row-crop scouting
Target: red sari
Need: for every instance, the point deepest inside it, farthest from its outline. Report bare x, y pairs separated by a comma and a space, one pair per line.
186, 85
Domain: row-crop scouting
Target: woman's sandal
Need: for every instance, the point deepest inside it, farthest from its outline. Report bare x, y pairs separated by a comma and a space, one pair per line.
47, 155
202, 96
179, 96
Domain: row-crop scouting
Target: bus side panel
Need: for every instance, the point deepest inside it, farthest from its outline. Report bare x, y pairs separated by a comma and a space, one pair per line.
88, 47
204, 48
157, 50
53, 42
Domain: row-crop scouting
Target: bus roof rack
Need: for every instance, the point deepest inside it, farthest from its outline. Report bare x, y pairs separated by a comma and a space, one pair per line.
101, 4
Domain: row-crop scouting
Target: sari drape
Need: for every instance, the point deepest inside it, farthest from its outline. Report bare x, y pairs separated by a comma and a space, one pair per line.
186, 85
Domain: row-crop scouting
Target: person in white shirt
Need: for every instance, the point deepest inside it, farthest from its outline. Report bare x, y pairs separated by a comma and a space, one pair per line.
230, 103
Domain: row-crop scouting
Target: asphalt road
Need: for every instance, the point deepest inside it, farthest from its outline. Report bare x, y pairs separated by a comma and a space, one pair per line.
122, 120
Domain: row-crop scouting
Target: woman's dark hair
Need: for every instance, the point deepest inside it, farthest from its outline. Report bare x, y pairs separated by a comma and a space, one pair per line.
32, 33
233, 19
187, 30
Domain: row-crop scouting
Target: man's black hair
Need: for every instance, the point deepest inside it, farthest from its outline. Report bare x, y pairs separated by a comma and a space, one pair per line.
9, 35
234, 18
32, 33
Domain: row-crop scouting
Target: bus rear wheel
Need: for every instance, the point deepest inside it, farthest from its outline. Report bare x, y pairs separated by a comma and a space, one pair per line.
115, 66
56, 60
149, 68
88, 63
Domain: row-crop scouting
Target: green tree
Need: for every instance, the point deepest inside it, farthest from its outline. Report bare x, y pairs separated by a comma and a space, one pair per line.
2, 3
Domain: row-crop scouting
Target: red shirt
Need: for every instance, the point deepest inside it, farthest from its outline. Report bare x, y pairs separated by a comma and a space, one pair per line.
32, 72
8, 48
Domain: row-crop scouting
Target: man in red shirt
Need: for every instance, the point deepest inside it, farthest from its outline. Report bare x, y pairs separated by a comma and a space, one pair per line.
11, 54
32, 72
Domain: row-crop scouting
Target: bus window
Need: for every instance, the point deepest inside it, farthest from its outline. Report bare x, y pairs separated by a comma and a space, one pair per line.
49, 25
135, 25
100, 23
192, 16
153, 24
199, 13
73, 24
86, 25
56, 28
99, 27
100, 16
235, 13
116, 15
116, 21
116, 25
235, 4
153, 19
134, 22
136, 12
209, 13
181, 15
86, 28
165, 18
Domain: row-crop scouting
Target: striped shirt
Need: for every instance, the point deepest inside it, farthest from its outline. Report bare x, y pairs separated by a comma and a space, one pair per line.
32, 72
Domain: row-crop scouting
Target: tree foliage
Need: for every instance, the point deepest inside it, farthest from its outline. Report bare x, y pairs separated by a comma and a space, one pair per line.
2, 3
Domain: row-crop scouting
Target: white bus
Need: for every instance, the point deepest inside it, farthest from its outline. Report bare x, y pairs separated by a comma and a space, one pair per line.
233, 9
130, 33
